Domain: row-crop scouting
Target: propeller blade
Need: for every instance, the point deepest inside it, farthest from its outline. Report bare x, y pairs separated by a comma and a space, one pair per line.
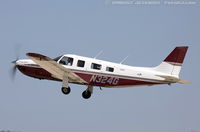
17, 48
13, 73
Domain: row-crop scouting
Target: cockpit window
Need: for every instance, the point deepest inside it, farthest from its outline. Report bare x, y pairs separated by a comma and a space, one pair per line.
57, 58
66, 61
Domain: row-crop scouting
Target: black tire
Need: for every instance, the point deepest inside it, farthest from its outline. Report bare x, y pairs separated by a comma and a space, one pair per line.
86, 94
66, 90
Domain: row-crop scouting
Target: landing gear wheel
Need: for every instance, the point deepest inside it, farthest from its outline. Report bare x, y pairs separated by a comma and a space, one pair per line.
66, 90
86, 94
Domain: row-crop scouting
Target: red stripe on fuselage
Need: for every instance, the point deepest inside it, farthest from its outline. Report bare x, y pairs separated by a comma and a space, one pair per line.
109, 81
36, 72
96, 79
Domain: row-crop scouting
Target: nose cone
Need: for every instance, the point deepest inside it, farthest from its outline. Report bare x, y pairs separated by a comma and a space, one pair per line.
15, 62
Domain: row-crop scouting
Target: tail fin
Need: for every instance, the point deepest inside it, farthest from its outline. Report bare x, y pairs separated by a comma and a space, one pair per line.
172, 64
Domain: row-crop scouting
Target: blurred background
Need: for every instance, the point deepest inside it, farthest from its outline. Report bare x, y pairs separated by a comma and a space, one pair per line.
147, 33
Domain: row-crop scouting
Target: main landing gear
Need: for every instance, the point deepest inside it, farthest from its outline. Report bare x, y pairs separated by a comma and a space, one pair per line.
66, 89
86, 94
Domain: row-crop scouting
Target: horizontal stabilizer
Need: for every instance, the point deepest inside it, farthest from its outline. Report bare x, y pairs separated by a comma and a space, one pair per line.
184, 81
174, 79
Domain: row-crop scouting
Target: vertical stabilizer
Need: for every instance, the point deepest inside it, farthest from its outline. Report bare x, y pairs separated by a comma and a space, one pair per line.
172, 64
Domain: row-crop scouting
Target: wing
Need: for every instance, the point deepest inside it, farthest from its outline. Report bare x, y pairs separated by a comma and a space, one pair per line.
56, 69
174, 79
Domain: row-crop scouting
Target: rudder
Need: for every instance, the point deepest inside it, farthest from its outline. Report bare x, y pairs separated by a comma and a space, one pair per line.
173, 62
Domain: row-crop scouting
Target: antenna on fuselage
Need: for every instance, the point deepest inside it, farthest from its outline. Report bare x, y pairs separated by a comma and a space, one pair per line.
124, 59
98, 54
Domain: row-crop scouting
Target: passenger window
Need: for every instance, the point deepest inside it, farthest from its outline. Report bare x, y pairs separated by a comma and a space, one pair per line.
80, 63
96, 66
66, 61
109, 69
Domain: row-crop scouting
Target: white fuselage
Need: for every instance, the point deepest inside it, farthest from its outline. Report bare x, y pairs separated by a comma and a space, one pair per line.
120, 71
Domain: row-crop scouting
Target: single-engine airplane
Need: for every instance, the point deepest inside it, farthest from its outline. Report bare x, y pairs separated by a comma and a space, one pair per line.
92, 72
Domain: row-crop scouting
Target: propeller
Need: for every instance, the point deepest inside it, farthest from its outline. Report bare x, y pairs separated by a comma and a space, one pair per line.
13, 72
14, 68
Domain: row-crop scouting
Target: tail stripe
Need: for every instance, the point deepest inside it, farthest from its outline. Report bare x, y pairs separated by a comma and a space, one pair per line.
177, 55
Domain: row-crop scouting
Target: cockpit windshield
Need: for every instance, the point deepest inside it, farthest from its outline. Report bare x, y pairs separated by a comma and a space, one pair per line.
66, 61
57, 58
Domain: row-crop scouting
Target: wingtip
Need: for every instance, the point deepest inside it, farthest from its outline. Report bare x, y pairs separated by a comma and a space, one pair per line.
28, 54
34, 55
37, 56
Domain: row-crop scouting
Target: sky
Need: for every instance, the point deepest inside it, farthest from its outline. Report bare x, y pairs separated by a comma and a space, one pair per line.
146, 33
